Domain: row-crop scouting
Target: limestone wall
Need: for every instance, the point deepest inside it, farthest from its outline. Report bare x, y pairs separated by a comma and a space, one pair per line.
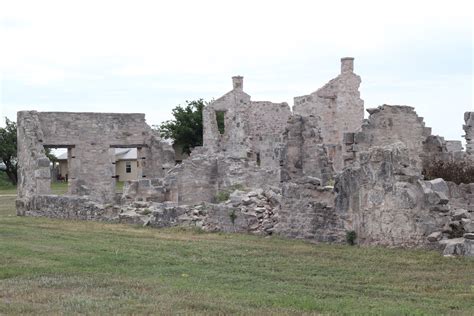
201, 177
469, 129
308, 212
34, 176
389, 203
339, 107
91, 139
252, 129
302, 152
387, 125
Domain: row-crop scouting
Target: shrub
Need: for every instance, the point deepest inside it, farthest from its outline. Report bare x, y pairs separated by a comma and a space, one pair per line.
222, 196
460, 171
233, 216
351, 237
146, 211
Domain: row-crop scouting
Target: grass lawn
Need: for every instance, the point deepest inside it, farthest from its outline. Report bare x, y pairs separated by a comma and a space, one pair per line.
67, 267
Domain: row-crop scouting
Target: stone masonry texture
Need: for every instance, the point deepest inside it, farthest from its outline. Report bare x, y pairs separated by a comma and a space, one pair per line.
318, 172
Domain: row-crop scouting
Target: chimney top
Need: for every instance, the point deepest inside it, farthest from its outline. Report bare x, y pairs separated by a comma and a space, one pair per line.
347, 64
238, 82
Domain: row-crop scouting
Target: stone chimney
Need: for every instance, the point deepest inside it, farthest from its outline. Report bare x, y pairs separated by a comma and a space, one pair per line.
238, 82
347, 65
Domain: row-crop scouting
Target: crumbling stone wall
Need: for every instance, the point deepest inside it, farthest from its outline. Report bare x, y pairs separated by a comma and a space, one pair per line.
90, 139
469, 129
308, 212
33, 165
251, 128
202, 177
339, 106
271, 171
387, 125
384, 196
302, 152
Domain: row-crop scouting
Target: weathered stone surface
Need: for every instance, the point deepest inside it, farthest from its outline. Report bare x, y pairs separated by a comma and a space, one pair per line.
252, 129
384, 199
389, 124
66, 207
469, 235
468, 226
458, 214
270, 171
90, 139
458, 247
435, 236
308, 211
469, 129
339, 108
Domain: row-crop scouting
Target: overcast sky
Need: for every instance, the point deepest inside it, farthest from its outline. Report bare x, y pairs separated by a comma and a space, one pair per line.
149, 56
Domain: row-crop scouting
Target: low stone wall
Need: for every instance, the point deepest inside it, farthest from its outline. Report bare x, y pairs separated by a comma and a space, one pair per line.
66, 207
308, 212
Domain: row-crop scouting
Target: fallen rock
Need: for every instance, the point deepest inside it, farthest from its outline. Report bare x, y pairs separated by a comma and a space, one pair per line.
469, 236
454, 247
435, 236
468, 225
458, 214
458, 247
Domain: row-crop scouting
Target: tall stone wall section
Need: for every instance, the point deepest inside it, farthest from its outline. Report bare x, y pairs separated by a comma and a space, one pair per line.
308, 211
469, 129
91, 139
302, 152
267, 123
252, 129
384, 197
339, 106
387, 125
270, 171
235, 140
33, 164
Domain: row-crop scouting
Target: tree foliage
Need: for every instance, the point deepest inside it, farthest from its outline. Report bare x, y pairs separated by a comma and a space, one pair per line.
8, 150
186, 128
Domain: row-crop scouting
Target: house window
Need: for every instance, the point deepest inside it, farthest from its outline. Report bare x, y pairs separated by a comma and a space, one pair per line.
128, 167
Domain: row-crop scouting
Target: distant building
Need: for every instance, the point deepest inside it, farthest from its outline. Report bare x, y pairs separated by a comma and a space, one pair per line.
126, 164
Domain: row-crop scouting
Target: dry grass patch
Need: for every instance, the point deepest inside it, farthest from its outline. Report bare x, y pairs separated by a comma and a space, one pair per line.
51, 266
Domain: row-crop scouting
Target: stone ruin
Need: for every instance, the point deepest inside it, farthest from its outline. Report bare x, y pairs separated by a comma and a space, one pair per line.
316, 172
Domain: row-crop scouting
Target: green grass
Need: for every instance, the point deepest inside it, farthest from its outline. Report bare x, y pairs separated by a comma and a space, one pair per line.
52, 266
5, 186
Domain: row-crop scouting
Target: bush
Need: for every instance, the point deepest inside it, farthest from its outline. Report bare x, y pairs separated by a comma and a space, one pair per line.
232, 216
351, 237
461, 171
222, 196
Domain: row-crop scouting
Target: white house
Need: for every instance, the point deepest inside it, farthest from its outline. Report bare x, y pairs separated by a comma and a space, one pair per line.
126, 164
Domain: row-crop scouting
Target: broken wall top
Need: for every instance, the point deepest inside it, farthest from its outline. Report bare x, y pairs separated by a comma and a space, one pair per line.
71, 128
251, 128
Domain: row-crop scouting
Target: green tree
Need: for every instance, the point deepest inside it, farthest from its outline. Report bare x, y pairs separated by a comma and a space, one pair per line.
186, 128
8, 150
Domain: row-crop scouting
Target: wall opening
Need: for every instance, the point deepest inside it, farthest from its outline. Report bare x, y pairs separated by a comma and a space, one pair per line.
220, 119
258, 159
129, 162
127, 166
59, 157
